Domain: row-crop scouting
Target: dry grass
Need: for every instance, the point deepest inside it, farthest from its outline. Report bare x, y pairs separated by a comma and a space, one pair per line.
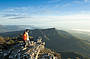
2, 40
6, 40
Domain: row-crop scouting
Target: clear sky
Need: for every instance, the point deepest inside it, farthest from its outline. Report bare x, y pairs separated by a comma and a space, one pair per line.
69, 14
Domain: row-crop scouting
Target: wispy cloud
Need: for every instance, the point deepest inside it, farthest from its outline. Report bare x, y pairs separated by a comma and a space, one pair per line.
54, 1
81, 30
16, 17
56, 8
13, 13
24, 12
86, 1
63, 13
9, 15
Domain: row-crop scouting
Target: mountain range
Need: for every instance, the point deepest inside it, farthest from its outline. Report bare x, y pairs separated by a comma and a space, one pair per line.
81, 34
58, 40
9, 28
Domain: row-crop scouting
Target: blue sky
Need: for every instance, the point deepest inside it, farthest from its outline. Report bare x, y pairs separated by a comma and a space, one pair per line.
69, 14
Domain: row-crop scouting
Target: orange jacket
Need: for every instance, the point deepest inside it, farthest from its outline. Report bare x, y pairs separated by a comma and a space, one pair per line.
25, 37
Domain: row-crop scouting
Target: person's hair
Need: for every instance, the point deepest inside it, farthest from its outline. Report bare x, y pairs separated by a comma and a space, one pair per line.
27, 30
